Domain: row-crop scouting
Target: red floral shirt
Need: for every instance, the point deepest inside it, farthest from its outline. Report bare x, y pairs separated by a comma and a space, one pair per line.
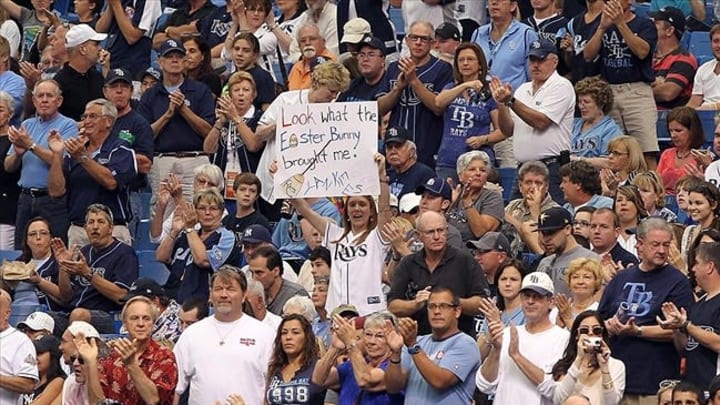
157, 362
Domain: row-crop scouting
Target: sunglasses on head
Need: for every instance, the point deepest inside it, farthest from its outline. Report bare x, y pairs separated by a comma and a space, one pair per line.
596, 330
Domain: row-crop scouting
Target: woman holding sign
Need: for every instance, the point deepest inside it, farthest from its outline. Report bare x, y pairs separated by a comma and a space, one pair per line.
358, 248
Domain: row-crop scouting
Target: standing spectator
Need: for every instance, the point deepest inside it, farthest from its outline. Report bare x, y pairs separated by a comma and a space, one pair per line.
322, 13
192, 310
138, 370
11, 32
244, 49
183, 21
584, 278
79, 80
604, 233
674, 66
490, 251
549, 24
625, 42
148, 78
266, 267
405, 173
434, 12
414, 82
372, 81
581, 187
594, 130
32, 22
96, 169
706, 89
88, 12
436, 196
257, 305
375, 14
471, 15
704, 208
129, 25
630, 305
581, 28
314, 52
10, 82
167, 323
414, 363
199, 64
30, 151
9, 190
181, 113
539, 115
18, 363
226, 353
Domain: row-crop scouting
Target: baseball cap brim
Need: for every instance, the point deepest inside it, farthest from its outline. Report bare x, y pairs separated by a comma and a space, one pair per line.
478, 245
395, 139
352, 38
537, 289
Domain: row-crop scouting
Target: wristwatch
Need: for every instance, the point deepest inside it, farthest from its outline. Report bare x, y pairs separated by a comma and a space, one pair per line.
31, 148
510, 102
190, 229
414, 349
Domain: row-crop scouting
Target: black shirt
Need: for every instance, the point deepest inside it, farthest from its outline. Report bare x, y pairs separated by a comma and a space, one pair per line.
238, 225
9, 189
78, 89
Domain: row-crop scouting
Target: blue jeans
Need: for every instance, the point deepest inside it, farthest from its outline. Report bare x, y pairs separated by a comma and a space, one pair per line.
54, 210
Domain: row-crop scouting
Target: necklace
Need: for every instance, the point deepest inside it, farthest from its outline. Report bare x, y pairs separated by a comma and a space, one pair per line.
677, 155
222, 337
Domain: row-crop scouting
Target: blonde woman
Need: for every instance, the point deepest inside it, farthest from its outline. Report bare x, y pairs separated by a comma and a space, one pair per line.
625, 160
584, 278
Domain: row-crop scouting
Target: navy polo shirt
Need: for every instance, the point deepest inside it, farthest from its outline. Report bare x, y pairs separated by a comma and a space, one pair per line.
83, 190
360, 90
178, 135
137, 134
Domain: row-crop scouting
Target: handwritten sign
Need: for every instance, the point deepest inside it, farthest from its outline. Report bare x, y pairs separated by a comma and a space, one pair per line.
326, 149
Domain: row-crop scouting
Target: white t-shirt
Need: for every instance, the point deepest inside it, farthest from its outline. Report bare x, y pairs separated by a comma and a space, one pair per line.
707, 83
213, 370
272, 320
17, 359
356, 271
712, 173
556, 99
542, 349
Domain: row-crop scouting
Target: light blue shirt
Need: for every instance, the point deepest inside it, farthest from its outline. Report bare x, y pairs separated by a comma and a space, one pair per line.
457, 354
594, 141
683, 5
34, 173
14, 85
507, 58
597, 201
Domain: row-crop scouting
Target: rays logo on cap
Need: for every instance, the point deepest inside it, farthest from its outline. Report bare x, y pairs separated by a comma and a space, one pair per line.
392, 132
248, 232
119, 72
535, 44
431, 182
172, 43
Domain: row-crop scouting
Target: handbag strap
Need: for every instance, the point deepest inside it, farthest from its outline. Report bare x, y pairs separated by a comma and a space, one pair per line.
283, 68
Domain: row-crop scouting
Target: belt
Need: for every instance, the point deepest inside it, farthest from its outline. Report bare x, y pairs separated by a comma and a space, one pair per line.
34, 192
181, 154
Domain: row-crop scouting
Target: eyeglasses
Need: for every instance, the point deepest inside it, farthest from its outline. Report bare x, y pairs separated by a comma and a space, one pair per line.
433, 232
421, 38
443, 306
596, 330
378, 336
668, 384
212, 208
584, 224
205, 182
617, 153
91, 116
35, 234
79, 359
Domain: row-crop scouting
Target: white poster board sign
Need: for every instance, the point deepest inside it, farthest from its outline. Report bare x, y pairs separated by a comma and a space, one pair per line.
326, 150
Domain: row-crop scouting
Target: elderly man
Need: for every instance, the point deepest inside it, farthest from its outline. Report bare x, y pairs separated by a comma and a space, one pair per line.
138, 370
266, 266
74, 334
322, 13
434, 368
30, 151
255, 299
167, 321
436, 264
371, 64
79, 80
96, 169
405, 174
631, 305
95, 277
539, 116
314, 52
414, 82
226, 353
18, 365
436, 196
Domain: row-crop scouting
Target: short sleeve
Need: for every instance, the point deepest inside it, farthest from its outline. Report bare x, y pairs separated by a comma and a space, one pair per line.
491, 204
122, 165
219, 253
24, 362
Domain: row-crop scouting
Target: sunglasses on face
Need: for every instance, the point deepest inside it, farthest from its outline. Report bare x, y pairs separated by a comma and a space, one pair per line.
596, 330
79, 359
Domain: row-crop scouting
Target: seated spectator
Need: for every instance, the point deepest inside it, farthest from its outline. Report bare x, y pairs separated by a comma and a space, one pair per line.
37, 325
193, 254
97, 168
138, 370
232, 141
314, 53
594, 129
321, 324
182, 21
252, 238
198, 64
522, 214
706, 86
266, 267
631, 211
75, 389
686, 134
167, 322
50, 374
301, 305
257, 306
475, 209
19, 371
405, 173
94, 277
581, 186
674, 66
704, 209
653, 194
712, 172
583, 277
625, 160
244, 49
576, 372
686, 392
470, 111
581, 220
246, 189
87, 11
191, 311
694, 8
148, 78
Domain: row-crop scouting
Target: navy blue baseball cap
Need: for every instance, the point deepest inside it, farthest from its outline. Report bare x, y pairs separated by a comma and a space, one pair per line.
541, 48
171, 45
436, 186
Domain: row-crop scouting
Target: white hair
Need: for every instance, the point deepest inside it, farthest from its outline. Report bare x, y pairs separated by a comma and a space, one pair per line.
302, 305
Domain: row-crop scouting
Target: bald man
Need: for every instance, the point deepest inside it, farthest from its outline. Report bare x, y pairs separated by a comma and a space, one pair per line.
18, 365
437, 264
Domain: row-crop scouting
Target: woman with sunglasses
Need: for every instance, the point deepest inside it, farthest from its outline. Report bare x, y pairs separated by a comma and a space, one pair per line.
630, 210
586, 367
625, 160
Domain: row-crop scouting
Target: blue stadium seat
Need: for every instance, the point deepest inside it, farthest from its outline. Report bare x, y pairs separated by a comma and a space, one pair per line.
9, 255
708, 123
507, 177
642, 9
18, 313
699, 45
145, 205
151, 268
142, 236
397, 19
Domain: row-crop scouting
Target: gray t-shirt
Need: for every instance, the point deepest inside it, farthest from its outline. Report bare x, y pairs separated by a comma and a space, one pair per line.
489, 202
555, 266
288, 289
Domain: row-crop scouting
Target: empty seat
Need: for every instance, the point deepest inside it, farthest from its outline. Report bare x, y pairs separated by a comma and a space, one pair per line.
142, 236
700, 46
9, 255
151, 268
507, 178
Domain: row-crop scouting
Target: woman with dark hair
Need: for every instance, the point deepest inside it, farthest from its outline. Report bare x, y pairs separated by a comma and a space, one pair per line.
197, 59
51, 376
586, 367
244, 48
630, 210
686, 134
292, 363
469, 94
704, 208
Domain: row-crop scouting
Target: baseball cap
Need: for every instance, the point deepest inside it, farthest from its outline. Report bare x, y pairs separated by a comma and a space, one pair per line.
38, 321
151, 71
396, 134
118, 74
47, 343
355, 30
435, 186
171, 45
409, 202
447, 31
146, 287
375, 43
345, 310
538, 282
81, 33
541, 48
553, 219
673, 15
489, 242
256, 234
83, 327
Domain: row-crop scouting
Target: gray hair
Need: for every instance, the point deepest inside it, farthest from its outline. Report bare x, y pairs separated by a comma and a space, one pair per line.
99, 209
413, 148
468, 157
212, 172
7, 99
41, 81
140, 298
653, 224
108, 108
378, 320
307, 25
427, 24
303, 305
254, 287
534, 166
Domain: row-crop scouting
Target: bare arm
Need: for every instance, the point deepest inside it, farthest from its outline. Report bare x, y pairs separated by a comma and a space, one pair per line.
316, 220
325, 374
368, 378
445, 97
471, 305
592, 48
103, 23
252, 141
56, 177
199, 125
534, 118
12, 162
161, 122
198, 250
708, 339
144, 385
637, 45
107, 288
131, 33
265, 132
438, 377
51, 391
666, 91
694, 102
395, 376
401, 307
698, 9
480, 223
12, 9
99, 173
163, 253
20, 385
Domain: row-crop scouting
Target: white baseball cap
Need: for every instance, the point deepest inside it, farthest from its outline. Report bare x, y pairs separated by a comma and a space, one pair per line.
539, 282
83, 327
408, 202
355, 30
39, 321
81, 33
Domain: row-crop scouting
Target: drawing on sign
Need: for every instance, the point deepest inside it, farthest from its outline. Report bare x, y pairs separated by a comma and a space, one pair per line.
293, 185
